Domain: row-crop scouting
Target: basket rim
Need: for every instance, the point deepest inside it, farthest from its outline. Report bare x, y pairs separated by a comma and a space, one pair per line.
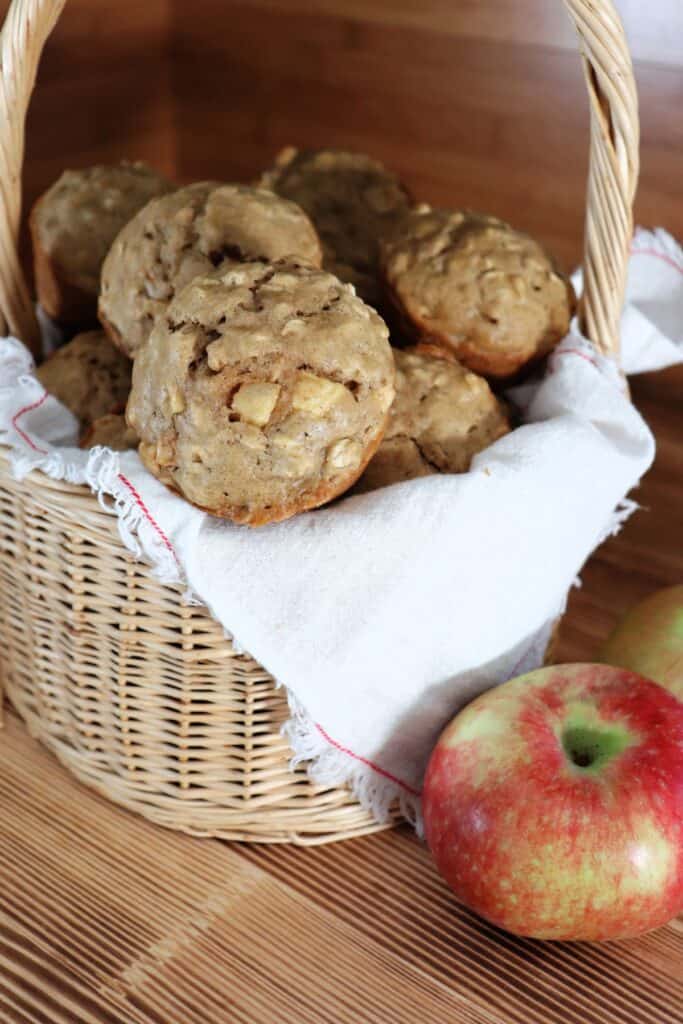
44, 480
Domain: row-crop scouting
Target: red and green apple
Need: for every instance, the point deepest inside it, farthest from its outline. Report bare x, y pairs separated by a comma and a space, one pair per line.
649, 640
553, 804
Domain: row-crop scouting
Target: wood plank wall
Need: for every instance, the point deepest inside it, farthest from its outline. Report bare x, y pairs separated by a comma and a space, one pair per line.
476, 102
103, 91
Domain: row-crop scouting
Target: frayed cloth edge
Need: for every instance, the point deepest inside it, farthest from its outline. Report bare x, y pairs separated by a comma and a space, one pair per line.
328, 765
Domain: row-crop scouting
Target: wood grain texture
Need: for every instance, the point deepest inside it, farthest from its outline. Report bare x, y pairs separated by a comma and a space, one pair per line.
654, 33
475, 102
106, 919
103, 91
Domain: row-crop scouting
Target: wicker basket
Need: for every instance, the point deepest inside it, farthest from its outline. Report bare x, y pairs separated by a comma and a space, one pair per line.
138, 693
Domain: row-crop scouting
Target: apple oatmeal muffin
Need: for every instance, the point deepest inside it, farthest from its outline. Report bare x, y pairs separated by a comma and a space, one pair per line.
442, 416
111, 431
352, 200
88, 375
187, 234
73, 225
263, 390
475, 286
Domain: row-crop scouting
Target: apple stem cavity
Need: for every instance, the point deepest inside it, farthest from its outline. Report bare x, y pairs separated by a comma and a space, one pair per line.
589, 747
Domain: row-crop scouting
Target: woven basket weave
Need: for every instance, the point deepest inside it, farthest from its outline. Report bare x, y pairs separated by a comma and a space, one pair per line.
138, 693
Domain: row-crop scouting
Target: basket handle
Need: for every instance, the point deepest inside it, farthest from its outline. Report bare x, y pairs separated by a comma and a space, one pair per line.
611, 184
26, 28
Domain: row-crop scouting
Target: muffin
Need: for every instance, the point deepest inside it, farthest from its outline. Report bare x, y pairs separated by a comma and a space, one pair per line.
111, 431
442, 416
352, 200
187, 234
73, 225
88, 375
475, 286
263, 391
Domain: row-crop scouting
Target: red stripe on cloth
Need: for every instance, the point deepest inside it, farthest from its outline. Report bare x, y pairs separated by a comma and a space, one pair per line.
167, 544
669, 260
380, 771
150, 518
364, 760
576, 352
21, 433
138, 500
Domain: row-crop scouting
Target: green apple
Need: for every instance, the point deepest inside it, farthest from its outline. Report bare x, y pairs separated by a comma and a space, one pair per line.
649, 640
553, 805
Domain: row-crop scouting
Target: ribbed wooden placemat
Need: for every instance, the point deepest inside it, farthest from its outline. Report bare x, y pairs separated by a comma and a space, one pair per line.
105, 919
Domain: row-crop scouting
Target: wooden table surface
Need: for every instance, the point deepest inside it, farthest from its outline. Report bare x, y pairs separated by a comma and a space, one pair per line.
105, 919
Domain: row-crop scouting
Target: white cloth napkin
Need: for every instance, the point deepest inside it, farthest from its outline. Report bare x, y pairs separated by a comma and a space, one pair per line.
383, 614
